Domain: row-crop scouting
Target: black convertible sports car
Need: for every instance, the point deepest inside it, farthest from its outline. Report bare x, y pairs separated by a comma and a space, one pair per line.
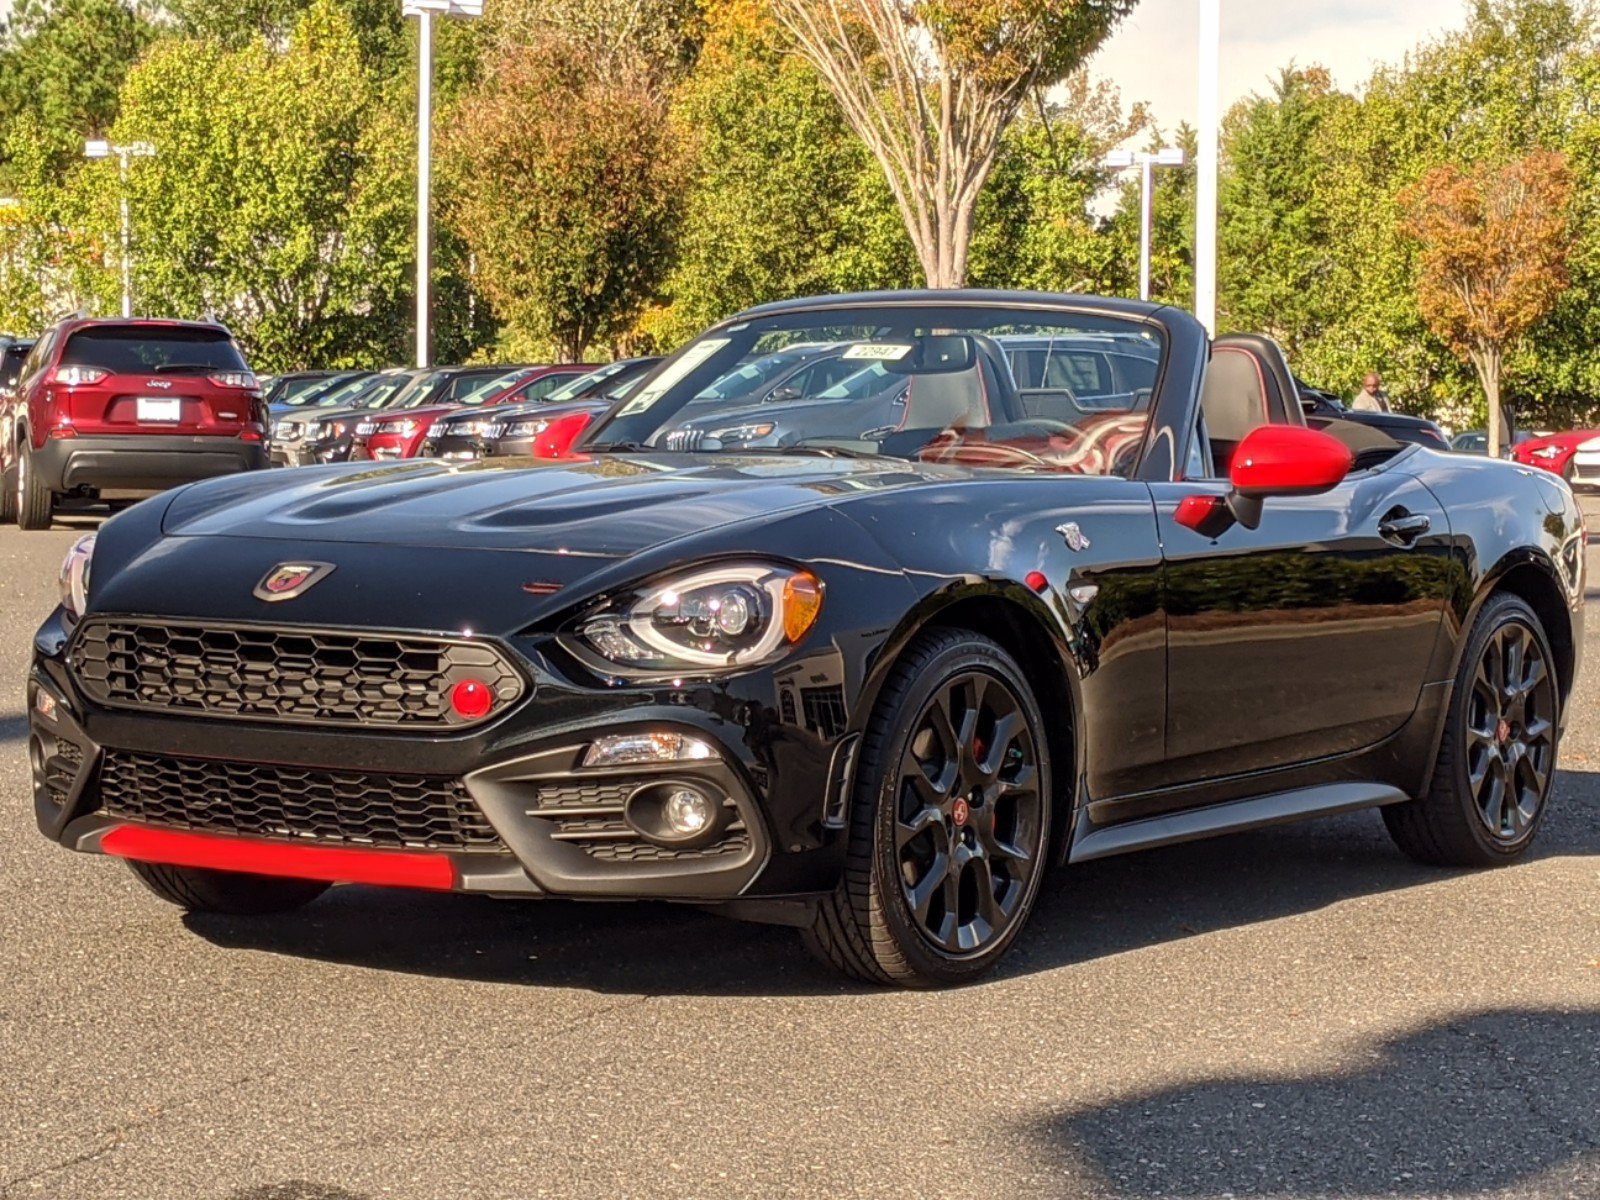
870, 687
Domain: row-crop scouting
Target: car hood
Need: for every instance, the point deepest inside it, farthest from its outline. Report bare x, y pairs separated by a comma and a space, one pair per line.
602, 505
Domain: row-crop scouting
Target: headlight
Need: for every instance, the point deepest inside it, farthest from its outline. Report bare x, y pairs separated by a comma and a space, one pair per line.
745, 433
1547, 452
366, 428
726, 616
286, 431
437, 429
406, 428
523, 429
75, 575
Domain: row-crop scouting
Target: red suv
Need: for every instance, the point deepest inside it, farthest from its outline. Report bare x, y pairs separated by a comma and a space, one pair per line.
129, 407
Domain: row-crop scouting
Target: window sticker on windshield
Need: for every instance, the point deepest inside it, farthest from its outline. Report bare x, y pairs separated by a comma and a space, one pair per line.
889, 351
688, 361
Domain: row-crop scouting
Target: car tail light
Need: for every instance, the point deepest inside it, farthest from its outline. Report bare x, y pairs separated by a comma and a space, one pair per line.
251, 433
233, 379
79, 376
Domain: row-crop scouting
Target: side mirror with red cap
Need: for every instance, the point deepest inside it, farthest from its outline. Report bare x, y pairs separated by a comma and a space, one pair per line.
1274, 460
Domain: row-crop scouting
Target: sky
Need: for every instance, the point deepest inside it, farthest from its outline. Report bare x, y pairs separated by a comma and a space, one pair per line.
1152, 56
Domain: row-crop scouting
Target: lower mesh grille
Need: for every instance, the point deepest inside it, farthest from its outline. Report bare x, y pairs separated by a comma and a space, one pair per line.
347, 807
589, 816
60, 770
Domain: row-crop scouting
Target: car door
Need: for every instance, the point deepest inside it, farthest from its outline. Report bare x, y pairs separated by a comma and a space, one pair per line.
1310, 635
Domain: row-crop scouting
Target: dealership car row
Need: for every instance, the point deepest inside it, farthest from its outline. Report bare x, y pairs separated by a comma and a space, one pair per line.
112, 410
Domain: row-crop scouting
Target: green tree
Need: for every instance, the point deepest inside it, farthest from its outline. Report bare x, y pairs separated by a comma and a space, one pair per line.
931, 87
1035, 226
566, 186
782, 198
279, 199
62, 62
1275, 256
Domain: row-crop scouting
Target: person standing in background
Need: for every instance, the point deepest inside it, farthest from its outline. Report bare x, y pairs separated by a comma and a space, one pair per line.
1371, 397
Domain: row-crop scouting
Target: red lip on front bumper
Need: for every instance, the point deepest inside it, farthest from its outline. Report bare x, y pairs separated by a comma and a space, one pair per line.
383, 868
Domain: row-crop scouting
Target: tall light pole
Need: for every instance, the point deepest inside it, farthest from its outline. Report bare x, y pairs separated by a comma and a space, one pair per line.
425, 11
1210, 134
1121, 160
100, 148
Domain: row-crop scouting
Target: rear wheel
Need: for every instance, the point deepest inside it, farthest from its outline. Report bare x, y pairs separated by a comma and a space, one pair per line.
1497, 759
949, 823
199, 890
35, 502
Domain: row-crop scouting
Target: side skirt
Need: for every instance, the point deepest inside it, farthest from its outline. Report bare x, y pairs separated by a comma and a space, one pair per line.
1258, 812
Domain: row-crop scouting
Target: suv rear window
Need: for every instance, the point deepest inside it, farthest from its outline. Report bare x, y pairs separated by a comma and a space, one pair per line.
142, 350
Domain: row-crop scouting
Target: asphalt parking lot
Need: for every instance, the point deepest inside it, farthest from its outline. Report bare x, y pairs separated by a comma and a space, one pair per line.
1298, 1013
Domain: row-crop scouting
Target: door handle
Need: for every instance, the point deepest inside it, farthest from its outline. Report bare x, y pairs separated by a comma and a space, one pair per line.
1403, 528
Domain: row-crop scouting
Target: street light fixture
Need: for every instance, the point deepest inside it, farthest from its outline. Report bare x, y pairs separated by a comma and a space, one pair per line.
1121, 160
425, 11
100, 148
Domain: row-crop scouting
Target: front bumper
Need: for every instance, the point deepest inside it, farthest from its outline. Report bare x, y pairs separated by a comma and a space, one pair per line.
310, 454
142, 462
551, 823
1586, 468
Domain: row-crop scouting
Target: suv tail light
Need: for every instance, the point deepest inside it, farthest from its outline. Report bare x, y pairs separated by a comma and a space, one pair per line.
79, 376
233, 379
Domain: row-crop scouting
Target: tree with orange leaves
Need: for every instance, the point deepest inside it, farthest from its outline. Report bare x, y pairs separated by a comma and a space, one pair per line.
931, 85
1494, 248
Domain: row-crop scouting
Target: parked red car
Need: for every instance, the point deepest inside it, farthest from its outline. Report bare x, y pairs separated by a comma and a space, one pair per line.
118, 409
1554, 451
401, 431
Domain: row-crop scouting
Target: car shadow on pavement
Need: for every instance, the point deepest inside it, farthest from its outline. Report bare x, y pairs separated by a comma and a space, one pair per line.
1502, 1102
1085, 912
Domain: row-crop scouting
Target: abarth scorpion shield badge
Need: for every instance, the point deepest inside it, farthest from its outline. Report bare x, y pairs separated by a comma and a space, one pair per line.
1073, 536
288, 580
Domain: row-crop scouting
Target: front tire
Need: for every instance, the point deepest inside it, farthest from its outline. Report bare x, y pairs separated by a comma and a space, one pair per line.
1497, 758
8, 494
949, 823
232, 892
35, 502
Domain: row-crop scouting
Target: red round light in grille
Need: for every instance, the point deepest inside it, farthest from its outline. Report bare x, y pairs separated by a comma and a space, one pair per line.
471, 699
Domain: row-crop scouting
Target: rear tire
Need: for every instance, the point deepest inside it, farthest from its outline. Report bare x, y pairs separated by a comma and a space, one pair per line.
1497, 759
235, 893
950, 820
35, 502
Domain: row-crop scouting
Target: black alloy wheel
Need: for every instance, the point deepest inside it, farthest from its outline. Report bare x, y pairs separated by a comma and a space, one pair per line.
1511, 732
1497, 760
950, 819
968, 825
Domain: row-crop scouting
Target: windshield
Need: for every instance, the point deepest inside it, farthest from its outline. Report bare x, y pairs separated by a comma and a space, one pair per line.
982, 385
148, 349
576, 387
480, 392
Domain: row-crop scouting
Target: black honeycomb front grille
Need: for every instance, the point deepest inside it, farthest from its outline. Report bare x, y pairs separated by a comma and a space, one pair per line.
305, 676
358, 809
589, 816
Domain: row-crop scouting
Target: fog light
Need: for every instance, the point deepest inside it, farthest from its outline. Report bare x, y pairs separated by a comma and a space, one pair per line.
471, 699
687, 812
